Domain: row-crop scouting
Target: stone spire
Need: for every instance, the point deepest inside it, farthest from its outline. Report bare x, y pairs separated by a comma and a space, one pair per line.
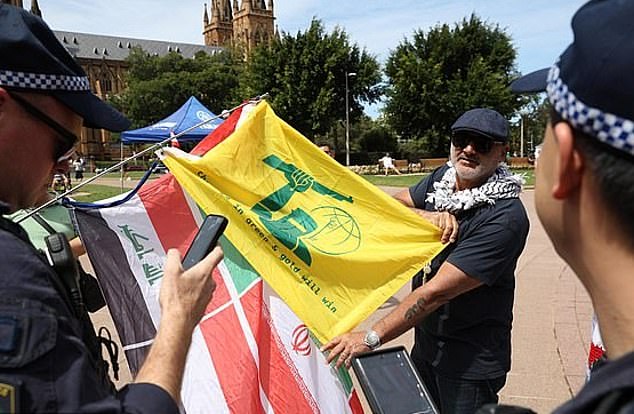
215, 12
205, 16
227, 14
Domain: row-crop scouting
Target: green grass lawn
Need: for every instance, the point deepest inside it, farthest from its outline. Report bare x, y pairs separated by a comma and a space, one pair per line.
135, 175
395, 180
411, 179
94, 192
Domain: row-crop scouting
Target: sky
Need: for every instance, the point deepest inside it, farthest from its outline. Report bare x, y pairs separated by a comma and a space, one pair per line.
540, 29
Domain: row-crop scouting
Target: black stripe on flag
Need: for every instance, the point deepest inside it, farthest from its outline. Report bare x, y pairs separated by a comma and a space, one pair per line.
123, 295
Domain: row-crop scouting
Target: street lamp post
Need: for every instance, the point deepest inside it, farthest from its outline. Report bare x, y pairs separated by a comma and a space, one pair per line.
348, 120
521, 135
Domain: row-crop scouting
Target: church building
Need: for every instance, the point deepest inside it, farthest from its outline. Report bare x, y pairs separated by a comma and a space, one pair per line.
103, 57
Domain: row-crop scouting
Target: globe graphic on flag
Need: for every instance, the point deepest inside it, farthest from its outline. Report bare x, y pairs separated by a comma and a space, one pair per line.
337, 231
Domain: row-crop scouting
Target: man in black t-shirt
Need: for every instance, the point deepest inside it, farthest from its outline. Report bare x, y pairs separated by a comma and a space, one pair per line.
461, 303
584, 192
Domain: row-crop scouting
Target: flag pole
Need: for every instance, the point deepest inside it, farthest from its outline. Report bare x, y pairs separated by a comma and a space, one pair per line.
154, 147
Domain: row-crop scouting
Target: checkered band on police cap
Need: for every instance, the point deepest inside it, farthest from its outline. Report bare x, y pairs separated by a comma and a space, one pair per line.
43, 81
609, 128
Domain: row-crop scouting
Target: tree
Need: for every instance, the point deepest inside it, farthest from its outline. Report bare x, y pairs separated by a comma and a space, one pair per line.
159, 85
305, 76
375, 136
535, 114
437, 76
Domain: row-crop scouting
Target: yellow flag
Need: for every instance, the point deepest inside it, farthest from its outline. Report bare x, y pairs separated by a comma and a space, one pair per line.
332, 245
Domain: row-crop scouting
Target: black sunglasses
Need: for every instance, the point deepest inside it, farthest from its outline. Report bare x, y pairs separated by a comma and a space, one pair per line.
66, 141
480, 143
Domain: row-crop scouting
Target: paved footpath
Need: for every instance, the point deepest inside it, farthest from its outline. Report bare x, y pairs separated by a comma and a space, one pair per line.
551, 330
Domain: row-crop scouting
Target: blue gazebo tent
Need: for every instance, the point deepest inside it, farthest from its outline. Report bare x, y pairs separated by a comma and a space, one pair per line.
188, 115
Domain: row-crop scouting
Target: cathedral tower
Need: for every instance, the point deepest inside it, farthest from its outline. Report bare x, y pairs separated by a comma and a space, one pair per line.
248, 25
219, 29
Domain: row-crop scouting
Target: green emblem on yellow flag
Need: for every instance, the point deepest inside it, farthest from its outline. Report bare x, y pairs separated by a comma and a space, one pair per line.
333, 246
318, 227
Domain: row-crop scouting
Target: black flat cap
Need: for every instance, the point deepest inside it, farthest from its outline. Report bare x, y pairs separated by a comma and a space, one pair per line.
33, 60
483, 121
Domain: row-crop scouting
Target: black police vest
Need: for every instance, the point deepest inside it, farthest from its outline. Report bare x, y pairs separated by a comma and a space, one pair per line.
88, 336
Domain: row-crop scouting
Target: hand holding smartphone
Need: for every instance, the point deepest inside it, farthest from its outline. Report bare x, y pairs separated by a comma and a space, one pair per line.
206, 239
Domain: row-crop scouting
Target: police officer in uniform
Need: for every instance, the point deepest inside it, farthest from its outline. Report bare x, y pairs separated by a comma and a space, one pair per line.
584, 193
48, 358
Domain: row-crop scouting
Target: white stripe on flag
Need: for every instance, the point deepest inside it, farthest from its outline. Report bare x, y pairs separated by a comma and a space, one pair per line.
201, 391
138, 345
246, 110
318, 377
227, 304
248, 334
147, 251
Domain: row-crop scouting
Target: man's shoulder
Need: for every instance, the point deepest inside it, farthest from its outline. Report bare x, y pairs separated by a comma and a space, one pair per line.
511, 205
12, 234
508, 214
515, 212
420, 190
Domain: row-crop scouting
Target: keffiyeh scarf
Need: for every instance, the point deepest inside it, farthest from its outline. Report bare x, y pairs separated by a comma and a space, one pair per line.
501, 185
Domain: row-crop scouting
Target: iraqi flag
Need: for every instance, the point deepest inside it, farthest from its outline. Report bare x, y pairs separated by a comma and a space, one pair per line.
250, 353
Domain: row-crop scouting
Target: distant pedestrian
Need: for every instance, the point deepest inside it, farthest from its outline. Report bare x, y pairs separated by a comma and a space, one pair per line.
388, 164
78, 167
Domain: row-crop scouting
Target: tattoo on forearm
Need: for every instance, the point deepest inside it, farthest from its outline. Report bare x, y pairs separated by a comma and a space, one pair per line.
417, 307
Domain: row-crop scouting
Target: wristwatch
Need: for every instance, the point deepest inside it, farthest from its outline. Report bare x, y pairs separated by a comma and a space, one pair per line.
372, 340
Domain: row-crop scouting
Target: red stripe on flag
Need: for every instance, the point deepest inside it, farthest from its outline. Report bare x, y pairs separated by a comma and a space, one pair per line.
165, 201
355, 403
233, 361
169, 213
219, 134
280, 382
221, 294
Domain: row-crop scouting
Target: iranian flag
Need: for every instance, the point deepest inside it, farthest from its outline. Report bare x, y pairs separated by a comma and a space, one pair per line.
250, 353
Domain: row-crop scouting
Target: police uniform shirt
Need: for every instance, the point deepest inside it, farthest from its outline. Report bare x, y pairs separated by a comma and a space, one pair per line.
44, 364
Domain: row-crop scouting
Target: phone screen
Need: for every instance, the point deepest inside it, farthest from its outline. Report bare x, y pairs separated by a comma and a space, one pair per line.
391, 383
205, 240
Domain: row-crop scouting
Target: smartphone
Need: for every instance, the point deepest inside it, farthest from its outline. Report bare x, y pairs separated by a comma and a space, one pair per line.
391, 383
205, 240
